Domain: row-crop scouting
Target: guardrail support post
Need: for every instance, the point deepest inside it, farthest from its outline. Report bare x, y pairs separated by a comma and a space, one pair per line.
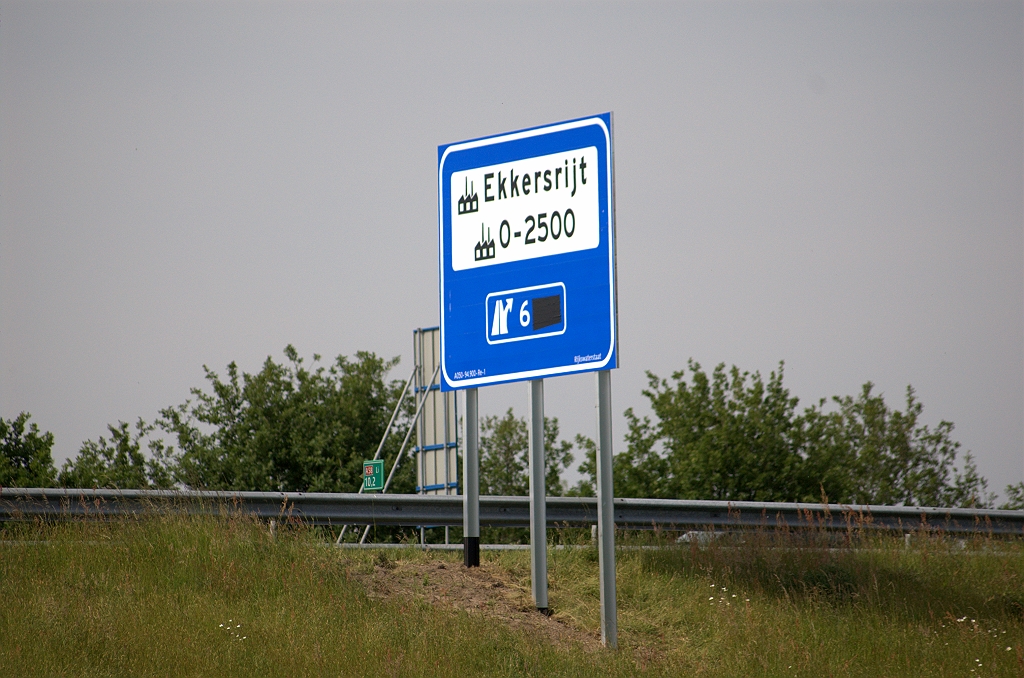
606, 512
538, 499
471, 479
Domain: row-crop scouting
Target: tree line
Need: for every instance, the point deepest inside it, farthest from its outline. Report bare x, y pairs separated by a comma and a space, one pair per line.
729, 435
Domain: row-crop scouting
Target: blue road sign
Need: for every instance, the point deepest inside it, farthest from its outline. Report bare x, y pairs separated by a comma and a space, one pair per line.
527, 254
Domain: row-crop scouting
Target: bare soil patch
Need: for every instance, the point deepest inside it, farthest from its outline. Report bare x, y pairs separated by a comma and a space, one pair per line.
487, 590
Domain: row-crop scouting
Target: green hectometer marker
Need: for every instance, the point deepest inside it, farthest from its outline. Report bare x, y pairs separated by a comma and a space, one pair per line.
373, 475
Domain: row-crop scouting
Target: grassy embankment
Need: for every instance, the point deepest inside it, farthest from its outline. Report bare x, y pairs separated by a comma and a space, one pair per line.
206, 596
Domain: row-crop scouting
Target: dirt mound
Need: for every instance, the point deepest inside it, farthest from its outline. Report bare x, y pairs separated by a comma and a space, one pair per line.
487, 590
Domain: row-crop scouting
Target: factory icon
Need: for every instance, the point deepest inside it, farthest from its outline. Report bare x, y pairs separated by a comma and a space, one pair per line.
485, 248
468, 203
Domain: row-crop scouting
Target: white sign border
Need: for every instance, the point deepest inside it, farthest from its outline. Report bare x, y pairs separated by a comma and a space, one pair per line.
548, 371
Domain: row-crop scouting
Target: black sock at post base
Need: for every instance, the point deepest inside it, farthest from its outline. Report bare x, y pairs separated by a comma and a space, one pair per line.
471, 551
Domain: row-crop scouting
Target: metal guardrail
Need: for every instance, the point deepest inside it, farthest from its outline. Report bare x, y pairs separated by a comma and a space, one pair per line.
338, 509
436, 510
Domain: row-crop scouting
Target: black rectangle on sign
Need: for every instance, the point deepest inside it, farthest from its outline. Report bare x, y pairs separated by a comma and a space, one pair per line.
547, 311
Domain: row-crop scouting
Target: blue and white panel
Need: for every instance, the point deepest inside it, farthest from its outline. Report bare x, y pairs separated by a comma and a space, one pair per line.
527, 254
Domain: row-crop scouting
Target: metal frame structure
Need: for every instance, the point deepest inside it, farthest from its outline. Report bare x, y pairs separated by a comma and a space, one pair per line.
437, 438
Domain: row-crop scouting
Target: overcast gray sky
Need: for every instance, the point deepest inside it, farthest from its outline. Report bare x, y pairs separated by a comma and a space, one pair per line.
837, 185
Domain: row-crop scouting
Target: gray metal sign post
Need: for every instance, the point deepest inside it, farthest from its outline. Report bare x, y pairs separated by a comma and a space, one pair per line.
471, 482
538, 499
606, 515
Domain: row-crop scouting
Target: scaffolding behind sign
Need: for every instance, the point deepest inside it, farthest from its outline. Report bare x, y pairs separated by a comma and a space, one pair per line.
437, 438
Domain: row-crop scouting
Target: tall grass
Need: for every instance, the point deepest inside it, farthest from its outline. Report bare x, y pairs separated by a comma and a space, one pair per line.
212, 596
221, 597
769, 603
